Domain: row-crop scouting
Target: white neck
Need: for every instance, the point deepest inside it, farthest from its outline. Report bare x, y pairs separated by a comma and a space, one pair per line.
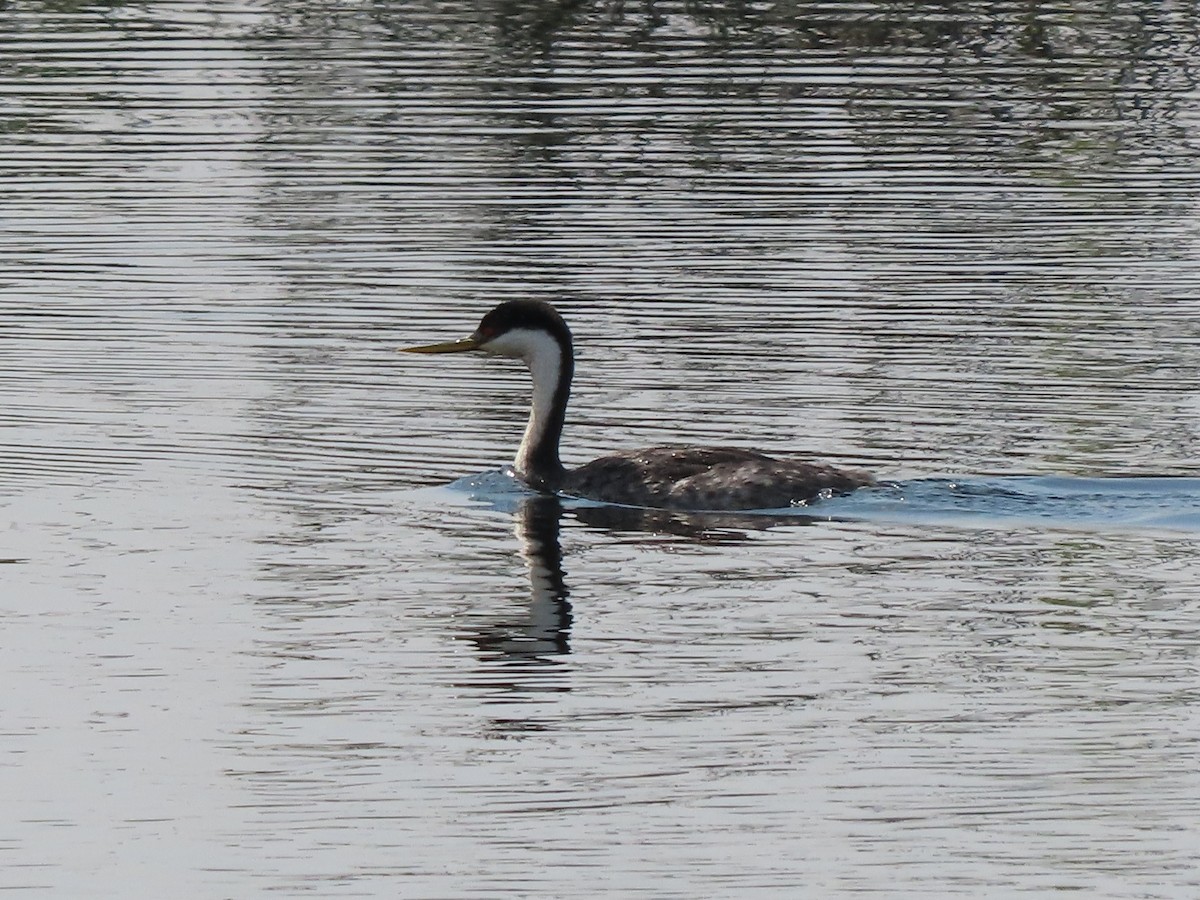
544, 357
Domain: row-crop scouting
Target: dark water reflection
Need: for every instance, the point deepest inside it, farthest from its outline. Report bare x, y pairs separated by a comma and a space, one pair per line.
243, 641
543, 630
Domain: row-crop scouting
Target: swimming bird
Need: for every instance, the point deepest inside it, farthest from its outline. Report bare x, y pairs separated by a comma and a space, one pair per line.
689, 478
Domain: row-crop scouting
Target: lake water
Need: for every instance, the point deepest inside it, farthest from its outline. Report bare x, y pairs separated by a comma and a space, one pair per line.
273, 624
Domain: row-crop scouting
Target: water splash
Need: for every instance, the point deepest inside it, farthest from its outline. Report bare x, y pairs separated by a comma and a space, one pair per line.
1036, 501
1045, 501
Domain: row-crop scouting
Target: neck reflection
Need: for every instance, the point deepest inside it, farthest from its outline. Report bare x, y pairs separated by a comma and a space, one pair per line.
540, 633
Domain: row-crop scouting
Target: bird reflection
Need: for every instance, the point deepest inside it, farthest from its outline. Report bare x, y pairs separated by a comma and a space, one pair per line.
543, 631
700, 527
524, 653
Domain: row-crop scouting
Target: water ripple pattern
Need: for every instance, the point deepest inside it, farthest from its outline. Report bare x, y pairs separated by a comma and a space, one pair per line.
252, 643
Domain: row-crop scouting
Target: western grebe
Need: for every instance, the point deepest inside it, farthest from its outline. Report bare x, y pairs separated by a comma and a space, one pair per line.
691, 478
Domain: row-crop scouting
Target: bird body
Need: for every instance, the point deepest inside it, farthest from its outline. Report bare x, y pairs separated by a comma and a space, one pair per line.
706, 478
689, 478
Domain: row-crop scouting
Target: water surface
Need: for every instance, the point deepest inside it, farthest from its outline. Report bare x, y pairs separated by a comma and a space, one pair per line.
253, 644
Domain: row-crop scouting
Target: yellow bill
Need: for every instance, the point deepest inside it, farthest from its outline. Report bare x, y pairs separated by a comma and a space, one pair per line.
459, 346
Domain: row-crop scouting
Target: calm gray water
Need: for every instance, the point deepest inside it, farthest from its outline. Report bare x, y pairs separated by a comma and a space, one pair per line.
271, 624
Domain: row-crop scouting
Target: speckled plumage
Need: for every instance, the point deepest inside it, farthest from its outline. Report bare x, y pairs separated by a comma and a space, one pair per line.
682, 478
706, 478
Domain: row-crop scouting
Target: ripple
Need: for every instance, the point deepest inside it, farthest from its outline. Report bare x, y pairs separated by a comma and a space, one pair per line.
245, 629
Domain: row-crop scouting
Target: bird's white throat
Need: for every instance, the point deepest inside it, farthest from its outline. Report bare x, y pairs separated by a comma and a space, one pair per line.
544, 357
